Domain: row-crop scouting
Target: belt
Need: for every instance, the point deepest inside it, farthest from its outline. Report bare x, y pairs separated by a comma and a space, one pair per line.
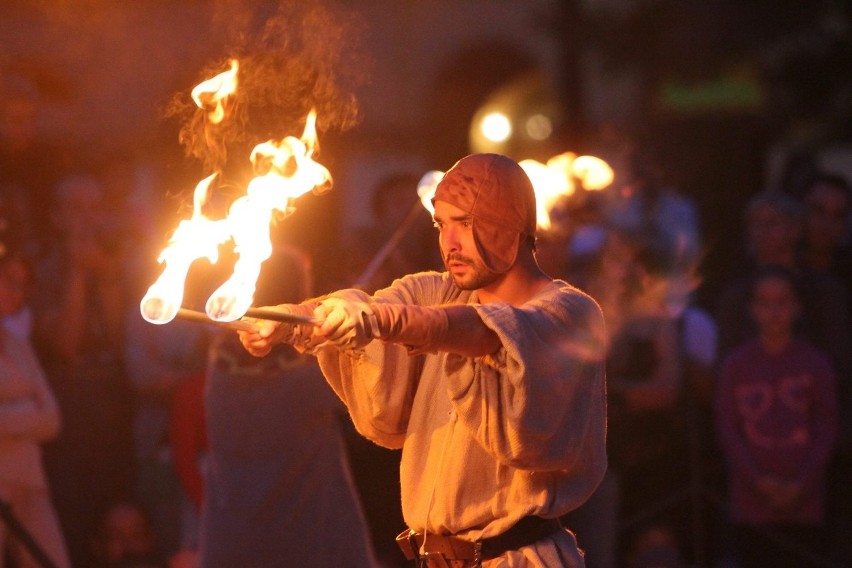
523, 533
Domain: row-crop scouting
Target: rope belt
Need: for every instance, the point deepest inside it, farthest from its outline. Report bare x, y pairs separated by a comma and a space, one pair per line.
523, 533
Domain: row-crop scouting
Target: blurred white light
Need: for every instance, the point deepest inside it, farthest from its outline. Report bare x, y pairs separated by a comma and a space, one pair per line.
539, 127
426, 189
495, 126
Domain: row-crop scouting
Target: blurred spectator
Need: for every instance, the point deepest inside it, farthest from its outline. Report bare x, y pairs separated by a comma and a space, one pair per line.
79, 331
125, 539
603, 265
29, 167
646, 426
662, 352
29, 416
826, 249
188, 437
826, 246
776, 417
277, 459
159, 359
645, 202
773, 224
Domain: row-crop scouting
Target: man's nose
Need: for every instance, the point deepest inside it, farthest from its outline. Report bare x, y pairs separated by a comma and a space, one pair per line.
450, 239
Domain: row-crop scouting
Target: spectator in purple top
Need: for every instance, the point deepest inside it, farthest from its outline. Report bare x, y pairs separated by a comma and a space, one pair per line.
776, 418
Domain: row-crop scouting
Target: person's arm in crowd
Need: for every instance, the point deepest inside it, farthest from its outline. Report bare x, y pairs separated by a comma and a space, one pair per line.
728, 431
826, 427
187, 434
93, 273
661, 389
35, 417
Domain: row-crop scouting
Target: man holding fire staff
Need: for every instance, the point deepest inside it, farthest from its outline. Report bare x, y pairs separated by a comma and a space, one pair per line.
489, 376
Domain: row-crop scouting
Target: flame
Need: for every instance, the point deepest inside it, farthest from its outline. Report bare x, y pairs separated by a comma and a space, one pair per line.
550, 181
212, 94
286, 171
194, 238
426, 189
594, 174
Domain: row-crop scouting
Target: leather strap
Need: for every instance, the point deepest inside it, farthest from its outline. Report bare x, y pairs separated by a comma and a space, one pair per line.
525, 532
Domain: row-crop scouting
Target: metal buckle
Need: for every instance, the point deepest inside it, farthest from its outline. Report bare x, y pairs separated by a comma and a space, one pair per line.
432, 560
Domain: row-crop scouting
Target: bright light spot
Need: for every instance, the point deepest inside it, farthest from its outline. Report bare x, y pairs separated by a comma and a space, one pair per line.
426, 189
539, 127
495, 126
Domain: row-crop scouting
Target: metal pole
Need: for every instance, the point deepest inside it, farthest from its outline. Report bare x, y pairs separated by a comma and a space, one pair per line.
24, 536
389, 246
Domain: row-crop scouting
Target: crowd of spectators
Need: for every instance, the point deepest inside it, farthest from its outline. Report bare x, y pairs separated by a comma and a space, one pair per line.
730, 436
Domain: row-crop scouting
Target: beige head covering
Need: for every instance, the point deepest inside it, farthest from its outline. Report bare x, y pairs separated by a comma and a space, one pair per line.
499, 196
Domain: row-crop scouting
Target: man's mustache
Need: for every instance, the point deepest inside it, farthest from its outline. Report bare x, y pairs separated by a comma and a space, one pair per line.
456, 257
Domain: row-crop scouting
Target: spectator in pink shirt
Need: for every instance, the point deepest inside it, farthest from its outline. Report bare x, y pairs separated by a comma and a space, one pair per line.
776, 418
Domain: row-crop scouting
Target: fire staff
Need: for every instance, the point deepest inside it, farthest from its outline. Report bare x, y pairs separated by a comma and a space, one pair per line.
489, 376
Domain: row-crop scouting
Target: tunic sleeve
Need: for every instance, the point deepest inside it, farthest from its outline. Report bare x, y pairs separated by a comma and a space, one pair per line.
539, 402
377, 383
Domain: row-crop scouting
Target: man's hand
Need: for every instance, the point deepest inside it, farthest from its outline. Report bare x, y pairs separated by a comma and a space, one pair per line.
347, 324
269, 333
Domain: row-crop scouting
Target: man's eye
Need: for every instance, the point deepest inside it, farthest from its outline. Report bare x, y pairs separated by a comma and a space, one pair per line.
467, 223
437, 225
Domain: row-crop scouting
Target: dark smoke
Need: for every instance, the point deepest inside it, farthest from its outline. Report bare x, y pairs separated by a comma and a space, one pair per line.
294, 56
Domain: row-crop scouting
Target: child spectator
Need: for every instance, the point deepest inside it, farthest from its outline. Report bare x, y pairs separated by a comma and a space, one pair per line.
776, 418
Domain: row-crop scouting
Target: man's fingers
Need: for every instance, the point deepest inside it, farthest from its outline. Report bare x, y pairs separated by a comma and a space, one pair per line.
342, 323
254, 343
334, 325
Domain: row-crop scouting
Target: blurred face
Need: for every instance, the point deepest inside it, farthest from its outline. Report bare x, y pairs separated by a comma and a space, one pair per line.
827, 216
80, 206
458, 249
774, 307
772, 234
126, 534
14, 281
618, 264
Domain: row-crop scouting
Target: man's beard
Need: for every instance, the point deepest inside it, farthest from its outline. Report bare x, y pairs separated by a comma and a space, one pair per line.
478, 277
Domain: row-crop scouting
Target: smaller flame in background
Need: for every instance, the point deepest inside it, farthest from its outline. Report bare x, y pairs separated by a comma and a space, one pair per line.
559, 177
284, 170
552, 181
426, 189
212, 95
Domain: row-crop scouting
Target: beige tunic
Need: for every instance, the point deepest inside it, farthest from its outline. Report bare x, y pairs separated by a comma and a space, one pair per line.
490, 440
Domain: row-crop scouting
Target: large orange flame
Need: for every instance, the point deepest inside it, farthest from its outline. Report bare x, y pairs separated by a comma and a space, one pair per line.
287, 171
284, 170
194, 238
